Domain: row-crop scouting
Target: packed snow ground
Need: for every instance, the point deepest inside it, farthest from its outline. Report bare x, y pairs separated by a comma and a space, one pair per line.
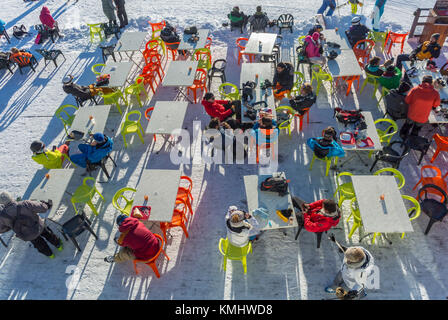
279, 268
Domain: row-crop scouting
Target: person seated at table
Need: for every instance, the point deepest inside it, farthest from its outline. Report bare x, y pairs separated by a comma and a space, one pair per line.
265, 129
357, 31
326, 146
283, 80
314, 49
390, 79
237, 18
394, 101
421, 100
238, 229
225, 132
21, 57
136, 241
81, 92
316, 28
48, 21
304, 100
94, 152
222, 109
170, 37
259, 20
427, 50
53, 159
318, 216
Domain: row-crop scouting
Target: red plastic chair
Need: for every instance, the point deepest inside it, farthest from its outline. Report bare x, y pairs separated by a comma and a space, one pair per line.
394, 38
437, 180
153, 63
149, 77
200, 82
241, 50
158, 26
362, 50
442, 145
184, 193
350, 81
148, 117
208, 43
179, 219
301, 116
152, 262
151, 47
170, 47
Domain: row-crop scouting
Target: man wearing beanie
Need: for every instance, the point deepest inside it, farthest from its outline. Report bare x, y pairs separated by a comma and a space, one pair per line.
49, 159
23, 218
136, 240
94, 152
357, 31
421, 100
427, 50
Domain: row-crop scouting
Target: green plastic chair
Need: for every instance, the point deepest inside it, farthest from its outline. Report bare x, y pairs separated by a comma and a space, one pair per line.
397, 174
300, 79
62, 111
384, 92
378, 37
231, 252
385, 135
95, 29
204, 58
345, 190
319, 75
135, 90
132, 126
327, 160
371, 79
286, 124
128, 206
161, 43
113, 98
85, 194
233, 96
357, 222
301, 40
413, 212
102, 65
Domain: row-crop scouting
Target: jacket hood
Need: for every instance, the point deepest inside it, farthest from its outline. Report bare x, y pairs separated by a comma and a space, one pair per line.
128, 224
106, 144
308, 39
315, 36
426, 86
45, 11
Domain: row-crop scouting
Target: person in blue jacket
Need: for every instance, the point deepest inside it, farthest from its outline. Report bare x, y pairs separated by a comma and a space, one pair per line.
270, 127
94, 152
326, 146
325, 5
2, 25
378, 11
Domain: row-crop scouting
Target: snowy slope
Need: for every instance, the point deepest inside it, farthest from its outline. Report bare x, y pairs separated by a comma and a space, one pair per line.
279, 268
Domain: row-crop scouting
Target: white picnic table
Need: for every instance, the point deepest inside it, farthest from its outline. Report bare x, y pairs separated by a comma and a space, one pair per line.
185, 44
83, 123
119, 72
267, 41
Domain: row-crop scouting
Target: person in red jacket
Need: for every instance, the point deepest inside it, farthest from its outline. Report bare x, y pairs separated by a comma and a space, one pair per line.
319, 216
222, 109
136, 240
421, 100
47, 19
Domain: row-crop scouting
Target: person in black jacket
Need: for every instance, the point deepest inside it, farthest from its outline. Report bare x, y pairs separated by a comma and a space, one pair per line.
81, 92
283, 80
357, 31
121, 13
427, 50
305, 100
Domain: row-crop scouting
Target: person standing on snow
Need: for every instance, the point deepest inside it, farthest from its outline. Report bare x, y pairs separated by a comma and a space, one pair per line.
109, 10
325, 5
121, 13
378, 11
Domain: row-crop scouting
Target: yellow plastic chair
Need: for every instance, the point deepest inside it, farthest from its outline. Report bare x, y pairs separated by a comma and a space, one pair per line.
319, 75
135, 90
161, 44
233, 96
204, 58
85, 194
301, 40
286, 124
397, 174
327, 160
69, 120
95, 29
386, 135
132, 126
95, 66
128, 206
378, 37
300, 79
114, 98
371, 79
384, 92
357, 222
345, 190
413, 212
231, 252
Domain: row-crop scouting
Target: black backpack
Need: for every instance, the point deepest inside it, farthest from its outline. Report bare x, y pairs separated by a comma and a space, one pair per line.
275, 184
396, 106
319, 150
348, 116
19, 32
191, 30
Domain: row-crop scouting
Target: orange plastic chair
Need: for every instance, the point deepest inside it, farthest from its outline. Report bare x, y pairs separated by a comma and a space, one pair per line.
208, 43
149, 77
153, 63
362, 50
442, 145
349, 81
394, 38
157, 27
200, 82
301, 116
184, 193
148, 117
179, 219
241, 52
152, 262
152, 46
170, 47
437, 180
267, 145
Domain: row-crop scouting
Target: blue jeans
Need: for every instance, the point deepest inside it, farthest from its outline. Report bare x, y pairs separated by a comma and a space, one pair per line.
325, 5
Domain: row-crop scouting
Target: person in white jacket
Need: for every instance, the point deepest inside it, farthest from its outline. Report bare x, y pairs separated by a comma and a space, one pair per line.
378, 11
357, 272
238, 230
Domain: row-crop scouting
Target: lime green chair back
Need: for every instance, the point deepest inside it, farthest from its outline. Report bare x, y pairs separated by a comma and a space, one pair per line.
204, 58
319, 75
371, 79
232, 252
300, 80
414, 211
301, 40
397, 174
377, 37
327, 160
384, 92
99, 66
64, 116
357, 222
233, 95
135, 90
345, 189
386, 134
126, 209
85, 194
132, 126
286, 124
95, 29
114, 98
161, 44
